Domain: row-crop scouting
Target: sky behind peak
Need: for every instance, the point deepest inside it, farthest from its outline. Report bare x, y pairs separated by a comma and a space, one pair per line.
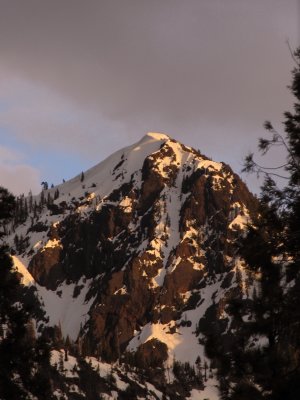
79, 80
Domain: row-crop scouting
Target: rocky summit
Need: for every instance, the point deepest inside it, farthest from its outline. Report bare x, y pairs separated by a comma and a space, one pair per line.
135, 262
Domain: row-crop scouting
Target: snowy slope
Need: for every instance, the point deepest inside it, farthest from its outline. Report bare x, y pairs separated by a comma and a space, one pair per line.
140, 248
113, 171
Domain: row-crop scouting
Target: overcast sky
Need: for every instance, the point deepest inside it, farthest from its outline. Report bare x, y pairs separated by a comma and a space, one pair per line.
81, 79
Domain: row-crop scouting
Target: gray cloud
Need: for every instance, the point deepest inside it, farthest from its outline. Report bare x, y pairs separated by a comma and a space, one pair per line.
208, 72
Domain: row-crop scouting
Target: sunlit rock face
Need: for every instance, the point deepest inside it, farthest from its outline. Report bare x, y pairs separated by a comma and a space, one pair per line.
138, 252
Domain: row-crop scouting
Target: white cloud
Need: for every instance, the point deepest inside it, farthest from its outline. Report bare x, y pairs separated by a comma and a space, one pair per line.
9, 156
15, 174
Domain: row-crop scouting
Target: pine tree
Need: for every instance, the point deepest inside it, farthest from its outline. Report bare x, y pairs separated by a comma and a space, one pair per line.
30, 201
49, 199
7, 204
56, 194
22, 358
7, 208
272, 247
42, 200
45, 185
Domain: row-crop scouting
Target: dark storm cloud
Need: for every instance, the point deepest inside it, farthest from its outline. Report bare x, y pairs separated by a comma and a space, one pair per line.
202, 70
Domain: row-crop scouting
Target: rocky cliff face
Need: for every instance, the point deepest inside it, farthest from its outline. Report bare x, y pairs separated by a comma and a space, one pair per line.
138, 256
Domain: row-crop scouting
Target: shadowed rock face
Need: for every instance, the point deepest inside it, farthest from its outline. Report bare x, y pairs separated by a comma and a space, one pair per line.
45, 267
152, 354
153, 247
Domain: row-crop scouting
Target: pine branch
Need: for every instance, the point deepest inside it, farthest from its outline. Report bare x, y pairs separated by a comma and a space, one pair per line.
292, 53
280, 166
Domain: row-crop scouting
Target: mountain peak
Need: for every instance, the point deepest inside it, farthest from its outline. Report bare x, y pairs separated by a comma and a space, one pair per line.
157, 136
153, 137
137, 253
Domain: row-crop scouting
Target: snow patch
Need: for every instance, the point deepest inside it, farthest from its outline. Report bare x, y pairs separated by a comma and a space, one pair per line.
241, 221
182, 345
66, 365
26, 279
52, 243
210, 392
65, 310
